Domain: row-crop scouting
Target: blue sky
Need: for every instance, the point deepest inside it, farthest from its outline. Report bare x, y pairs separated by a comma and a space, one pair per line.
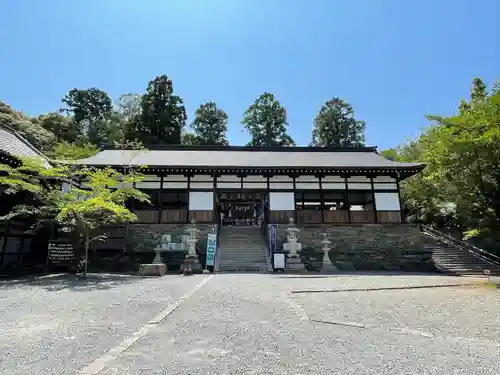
393, 60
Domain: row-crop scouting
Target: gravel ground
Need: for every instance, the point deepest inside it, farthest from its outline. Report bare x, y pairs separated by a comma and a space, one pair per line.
254, 324
242, 324
57, 325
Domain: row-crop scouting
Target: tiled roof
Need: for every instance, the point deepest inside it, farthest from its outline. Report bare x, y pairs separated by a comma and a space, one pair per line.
241, 157
15, 145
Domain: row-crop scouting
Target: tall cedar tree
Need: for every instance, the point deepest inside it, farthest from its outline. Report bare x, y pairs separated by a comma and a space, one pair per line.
163, 114
265, 120
91, 109
336, 126
210, 125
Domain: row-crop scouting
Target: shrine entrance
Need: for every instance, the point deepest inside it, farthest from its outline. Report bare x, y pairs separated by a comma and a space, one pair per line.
241, 208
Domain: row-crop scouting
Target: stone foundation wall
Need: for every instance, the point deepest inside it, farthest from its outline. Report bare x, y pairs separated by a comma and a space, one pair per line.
137, 246
389, 247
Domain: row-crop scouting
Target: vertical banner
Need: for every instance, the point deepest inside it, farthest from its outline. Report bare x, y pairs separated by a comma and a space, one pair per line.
272, 237
211, 248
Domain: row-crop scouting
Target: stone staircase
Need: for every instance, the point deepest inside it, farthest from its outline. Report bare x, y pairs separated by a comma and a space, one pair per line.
241, 249
457, 260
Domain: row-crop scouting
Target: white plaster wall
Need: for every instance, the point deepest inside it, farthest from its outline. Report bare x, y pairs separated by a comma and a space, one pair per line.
387, 201
174, 178
149, 178
333, 186
255, 185
281, 201
148, 185
201, 200
333, 179
202, 185
358, 179
202, 178
385, 186
305, 185
359, 186
280, 179
255, 179
175, 185
228, 179
281, 185
229, 185
384, 179
307, 179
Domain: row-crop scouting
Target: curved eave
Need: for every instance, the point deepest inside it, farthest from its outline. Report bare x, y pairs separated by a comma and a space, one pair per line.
402, 171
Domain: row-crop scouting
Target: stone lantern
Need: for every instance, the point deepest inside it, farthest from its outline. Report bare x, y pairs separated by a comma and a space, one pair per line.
327, 265
191, 261
293, 248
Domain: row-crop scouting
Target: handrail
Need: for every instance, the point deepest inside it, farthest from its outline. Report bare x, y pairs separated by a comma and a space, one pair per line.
480, 253
217, 249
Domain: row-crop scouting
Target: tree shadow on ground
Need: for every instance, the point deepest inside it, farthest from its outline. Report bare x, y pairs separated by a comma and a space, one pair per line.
75, 283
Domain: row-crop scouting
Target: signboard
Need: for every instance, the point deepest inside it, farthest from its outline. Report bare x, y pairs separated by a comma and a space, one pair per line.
61, 253
272, 237
165, 240
211, 249
176, 246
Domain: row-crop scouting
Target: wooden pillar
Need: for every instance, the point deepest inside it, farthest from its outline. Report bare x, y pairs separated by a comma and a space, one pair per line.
267, 206
399, 198
160, 210
216, 213
188, 219
321, 198
347, 200
5, 239
294, 203
373, 197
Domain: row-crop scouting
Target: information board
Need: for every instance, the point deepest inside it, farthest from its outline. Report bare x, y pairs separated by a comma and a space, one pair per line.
211, 248
61, 252
273, 237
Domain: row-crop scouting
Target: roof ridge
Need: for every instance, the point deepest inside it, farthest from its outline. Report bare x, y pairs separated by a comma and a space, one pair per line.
372, 149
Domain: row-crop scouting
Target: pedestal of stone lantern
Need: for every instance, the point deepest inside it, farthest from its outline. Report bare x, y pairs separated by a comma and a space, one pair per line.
191, 263
157, 268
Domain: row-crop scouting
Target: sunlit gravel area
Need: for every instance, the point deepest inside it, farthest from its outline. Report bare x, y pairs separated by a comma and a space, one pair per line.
251, 324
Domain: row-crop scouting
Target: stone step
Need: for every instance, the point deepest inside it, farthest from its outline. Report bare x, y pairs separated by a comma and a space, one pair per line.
242, 256
229, 257
222, 262
245, 250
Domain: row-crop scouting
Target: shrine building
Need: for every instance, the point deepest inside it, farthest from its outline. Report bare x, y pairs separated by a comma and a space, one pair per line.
236, 185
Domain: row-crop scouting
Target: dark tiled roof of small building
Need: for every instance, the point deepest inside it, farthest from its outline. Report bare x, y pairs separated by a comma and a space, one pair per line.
15, 145
249, 157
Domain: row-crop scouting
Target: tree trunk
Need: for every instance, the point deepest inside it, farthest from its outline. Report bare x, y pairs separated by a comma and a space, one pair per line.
86, 254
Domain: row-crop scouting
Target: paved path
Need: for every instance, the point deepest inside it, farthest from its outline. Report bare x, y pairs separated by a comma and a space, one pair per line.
251, 324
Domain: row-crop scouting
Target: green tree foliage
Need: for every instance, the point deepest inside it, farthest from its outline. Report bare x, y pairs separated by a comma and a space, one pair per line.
27, 127
65, 150
266, 122
91, 109
210, 125
79, 211
461, 184
163, 115
127, 117
63, 127
391, 154
188, 138
336, 126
